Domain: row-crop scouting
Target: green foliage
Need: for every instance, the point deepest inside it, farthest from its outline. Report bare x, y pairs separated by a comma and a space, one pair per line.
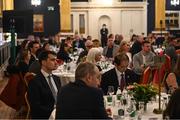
142, 92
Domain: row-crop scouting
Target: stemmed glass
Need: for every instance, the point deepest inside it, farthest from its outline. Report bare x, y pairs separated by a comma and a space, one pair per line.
141, 106
110, 95
118, 96
65, 67
110, 90
141, 109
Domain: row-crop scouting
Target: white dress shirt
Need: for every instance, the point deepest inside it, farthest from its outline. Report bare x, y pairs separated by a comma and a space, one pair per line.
46, 75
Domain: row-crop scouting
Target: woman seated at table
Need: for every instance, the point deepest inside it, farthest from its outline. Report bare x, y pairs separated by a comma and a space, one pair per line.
173, 79
63, 53
93, 56
173, 108
125, 47
23, 64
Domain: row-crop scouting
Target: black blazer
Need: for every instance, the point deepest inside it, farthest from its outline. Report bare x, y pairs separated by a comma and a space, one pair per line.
64, 56
40, 97
32, 59
110, 78
81, 44
136, 47
81, 55
78, 101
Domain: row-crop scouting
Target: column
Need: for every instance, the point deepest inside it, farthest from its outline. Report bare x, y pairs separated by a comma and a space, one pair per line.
65, 15
8, 4
1, 7
160, 7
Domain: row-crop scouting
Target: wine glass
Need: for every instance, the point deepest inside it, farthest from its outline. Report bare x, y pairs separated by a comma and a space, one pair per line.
110, 100
141, 106
110, 90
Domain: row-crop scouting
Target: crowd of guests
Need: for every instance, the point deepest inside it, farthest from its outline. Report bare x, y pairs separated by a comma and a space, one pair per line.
84, 97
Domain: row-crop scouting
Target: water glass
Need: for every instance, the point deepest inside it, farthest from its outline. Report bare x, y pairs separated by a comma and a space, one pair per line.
109, 100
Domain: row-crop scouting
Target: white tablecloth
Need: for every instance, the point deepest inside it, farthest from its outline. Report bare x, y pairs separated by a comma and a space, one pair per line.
144, 116
65, 75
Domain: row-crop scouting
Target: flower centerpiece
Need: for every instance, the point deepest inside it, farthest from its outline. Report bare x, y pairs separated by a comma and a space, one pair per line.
142, 93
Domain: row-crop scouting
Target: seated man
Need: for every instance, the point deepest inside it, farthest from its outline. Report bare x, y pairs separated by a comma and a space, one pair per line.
89, 45
111, 49
82, 99
78, 43
33, 46
42, 90
119, 76
143, 59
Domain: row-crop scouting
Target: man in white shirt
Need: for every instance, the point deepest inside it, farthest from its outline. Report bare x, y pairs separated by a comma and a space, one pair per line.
43, 89
120, 76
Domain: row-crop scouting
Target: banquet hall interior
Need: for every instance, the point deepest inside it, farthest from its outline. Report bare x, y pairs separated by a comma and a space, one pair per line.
139, 39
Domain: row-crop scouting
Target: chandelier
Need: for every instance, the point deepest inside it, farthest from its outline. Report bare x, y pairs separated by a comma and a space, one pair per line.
35, 2
175, 2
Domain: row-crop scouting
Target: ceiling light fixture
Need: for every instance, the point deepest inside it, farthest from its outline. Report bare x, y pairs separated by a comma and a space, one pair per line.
175, 2
36, 2
104, 2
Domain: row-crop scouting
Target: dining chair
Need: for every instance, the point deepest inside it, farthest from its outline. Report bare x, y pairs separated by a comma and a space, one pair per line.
28, 107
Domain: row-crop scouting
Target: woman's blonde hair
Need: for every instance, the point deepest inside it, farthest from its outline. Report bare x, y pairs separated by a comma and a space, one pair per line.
92, 54
123, 42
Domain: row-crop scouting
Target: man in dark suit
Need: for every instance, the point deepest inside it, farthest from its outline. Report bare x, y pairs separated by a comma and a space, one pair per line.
33, 46
104, 33
120, 76
89, 45
82, 99
78, 43
111, 49
42, 90
137, 45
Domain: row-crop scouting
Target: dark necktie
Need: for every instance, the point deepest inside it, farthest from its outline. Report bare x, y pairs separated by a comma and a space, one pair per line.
52, 87
122, 85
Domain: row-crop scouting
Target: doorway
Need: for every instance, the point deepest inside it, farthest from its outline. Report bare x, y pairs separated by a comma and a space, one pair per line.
104, 19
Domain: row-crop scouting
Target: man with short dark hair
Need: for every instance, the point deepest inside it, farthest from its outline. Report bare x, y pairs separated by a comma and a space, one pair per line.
43, 89
82, 99
83, 54
33, 46
143, 59
111, 49
120, 76
104, 34
136, 46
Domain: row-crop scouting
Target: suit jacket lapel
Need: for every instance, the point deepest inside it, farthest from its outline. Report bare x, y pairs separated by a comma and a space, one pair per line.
56, 82
114, 76
105, 50
126, 78
114, 50
45, 84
